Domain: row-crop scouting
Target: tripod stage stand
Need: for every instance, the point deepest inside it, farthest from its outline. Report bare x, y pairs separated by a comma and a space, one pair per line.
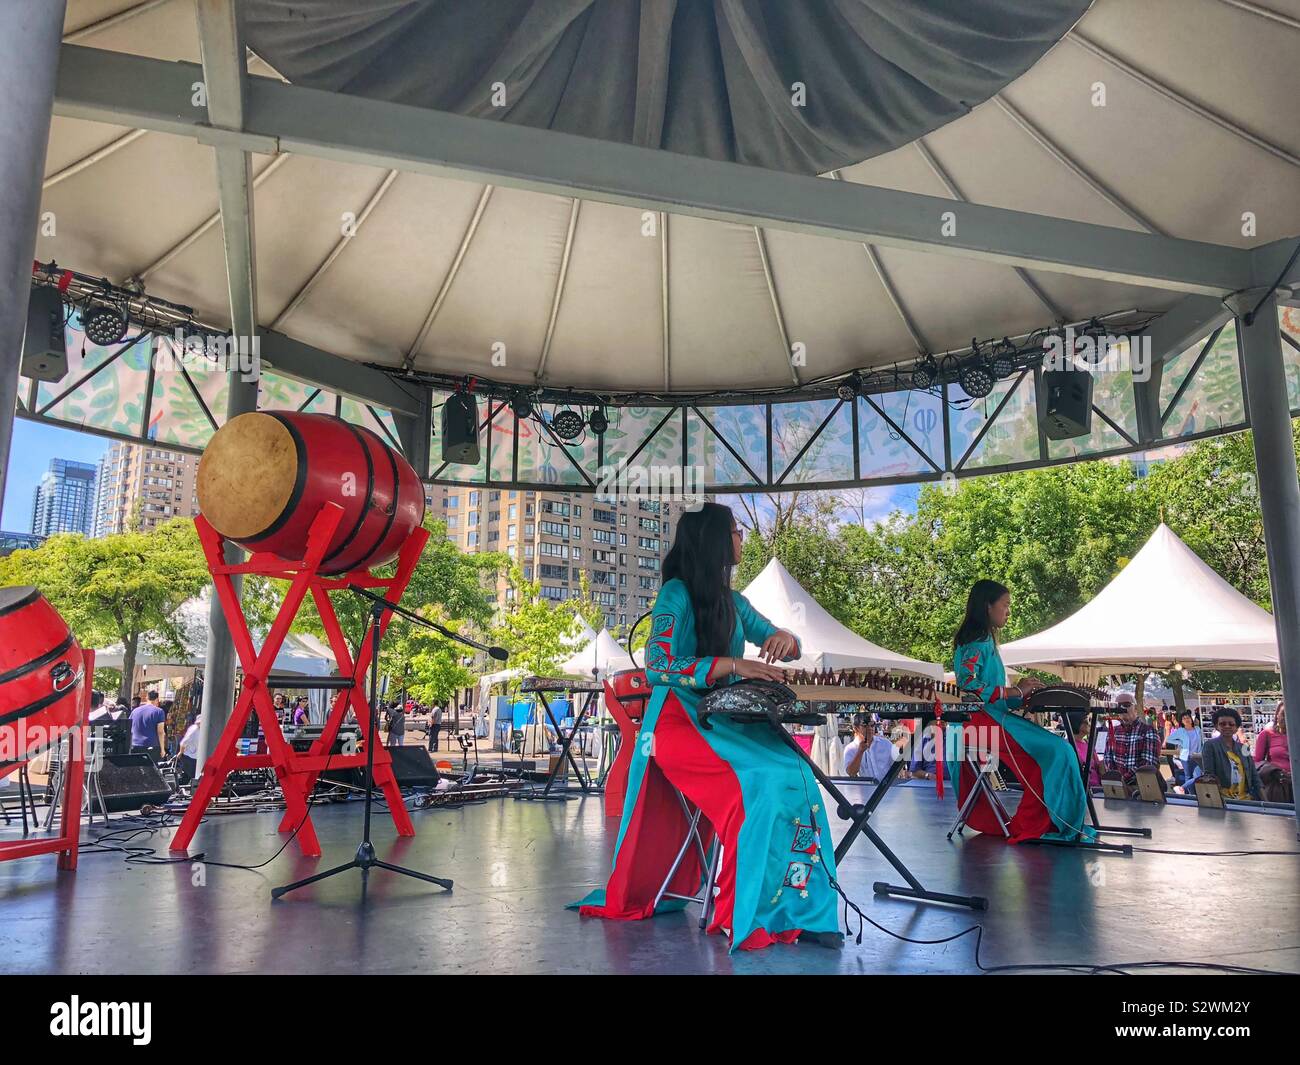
365, 859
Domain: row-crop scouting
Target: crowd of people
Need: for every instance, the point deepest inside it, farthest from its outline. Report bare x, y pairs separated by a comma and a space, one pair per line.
1134, 741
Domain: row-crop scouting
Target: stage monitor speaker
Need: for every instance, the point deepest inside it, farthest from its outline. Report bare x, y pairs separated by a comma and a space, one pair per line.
460, 429
1068, 411
45, 355
129, 781
413, 767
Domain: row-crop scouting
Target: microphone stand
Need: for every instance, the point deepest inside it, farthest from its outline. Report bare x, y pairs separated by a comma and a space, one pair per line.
365, 859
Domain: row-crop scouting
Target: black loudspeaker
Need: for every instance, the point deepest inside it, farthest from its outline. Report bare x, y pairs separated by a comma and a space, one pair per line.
413, 767
129, 781
45, 355
1068, 411
460, 429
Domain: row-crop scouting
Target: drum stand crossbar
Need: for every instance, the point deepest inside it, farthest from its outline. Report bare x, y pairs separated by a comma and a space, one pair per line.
296, 772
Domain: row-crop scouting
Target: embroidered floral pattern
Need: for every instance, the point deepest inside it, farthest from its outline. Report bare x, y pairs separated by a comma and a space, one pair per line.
806, 839
659, 654
797, 875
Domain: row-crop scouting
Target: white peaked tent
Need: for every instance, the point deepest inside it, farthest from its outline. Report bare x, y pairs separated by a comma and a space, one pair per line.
602, 653
826, 643
1165, 608
301, 655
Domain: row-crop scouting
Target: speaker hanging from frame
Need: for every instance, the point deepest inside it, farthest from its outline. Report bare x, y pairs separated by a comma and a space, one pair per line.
45, 356
460, 429
1068, 409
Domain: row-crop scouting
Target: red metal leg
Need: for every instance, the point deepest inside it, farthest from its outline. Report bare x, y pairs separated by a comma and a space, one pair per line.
297, 773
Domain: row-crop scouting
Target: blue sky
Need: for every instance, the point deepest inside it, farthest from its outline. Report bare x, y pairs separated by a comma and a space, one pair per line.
33, 447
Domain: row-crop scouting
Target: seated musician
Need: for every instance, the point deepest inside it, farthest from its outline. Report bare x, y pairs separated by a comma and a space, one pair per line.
1053, 804
757, 794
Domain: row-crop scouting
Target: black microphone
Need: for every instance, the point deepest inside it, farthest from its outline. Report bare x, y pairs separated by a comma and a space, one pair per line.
499, 653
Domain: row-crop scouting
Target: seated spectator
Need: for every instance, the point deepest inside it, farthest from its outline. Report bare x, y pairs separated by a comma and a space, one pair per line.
922, 765
1079, 727
1133, 743
1227, 761
868, 756
1273, 759
1189, 741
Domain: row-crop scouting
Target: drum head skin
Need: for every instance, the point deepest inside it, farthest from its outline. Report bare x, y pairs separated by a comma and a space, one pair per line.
15, 597
247, 475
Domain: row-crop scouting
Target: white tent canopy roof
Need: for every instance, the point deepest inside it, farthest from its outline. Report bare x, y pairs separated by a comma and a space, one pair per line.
440, 274
602, 653
301, 655
1164, 609
827, 644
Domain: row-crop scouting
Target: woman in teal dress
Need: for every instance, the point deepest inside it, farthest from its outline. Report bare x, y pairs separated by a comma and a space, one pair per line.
777, 864
1053, 804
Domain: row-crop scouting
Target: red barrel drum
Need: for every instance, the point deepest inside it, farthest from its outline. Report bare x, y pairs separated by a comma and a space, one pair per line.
42, 674
265, 476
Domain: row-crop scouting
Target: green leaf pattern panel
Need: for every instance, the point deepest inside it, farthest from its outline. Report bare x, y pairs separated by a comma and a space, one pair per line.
1013, 436
113, 398
1213, 398
882, 450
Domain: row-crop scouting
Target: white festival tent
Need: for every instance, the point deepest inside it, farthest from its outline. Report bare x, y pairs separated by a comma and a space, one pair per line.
601, 654
301, 656
582, 636
826, 643
1163, 610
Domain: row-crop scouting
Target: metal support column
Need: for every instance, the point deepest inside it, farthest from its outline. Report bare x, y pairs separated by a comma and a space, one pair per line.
30, 37
1279, 487
219, 662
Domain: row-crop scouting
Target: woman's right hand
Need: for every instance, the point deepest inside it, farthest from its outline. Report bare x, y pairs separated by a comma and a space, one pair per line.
752, 669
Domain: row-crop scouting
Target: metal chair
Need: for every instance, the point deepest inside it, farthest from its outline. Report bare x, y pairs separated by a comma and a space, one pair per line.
710, 856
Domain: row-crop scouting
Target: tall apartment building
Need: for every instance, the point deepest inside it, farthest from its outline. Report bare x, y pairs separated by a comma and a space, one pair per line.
64, 501
556, 536
140, 481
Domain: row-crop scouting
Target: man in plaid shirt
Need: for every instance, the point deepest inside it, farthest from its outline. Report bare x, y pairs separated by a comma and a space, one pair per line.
1133, 744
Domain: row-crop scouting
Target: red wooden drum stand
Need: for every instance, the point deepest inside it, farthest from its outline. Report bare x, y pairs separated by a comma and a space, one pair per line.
66, 842
297, 772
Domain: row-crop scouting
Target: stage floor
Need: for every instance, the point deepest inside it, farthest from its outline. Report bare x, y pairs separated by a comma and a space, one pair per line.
515, 864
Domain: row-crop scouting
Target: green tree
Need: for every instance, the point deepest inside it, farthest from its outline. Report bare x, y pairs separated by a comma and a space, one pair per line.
533, 628
447, 584
118, 588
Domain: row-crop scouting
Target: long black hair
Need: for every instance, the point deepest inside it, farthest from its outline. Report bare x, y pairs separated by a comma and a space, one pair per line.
701, 558
975, 625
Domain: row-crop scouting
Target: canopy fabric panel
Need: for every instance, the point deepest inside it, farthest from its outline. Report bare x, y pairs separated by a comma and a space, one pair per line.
1138, 119
718, 79
1201, 621
826, 643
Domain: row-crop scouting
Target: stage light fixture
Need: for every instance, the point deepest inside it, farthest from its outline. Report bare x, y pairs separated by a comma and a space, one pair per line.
925, 373
104, 324
567, 424
850, 388
521, 404
599, 421
976, 378
1004, 359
